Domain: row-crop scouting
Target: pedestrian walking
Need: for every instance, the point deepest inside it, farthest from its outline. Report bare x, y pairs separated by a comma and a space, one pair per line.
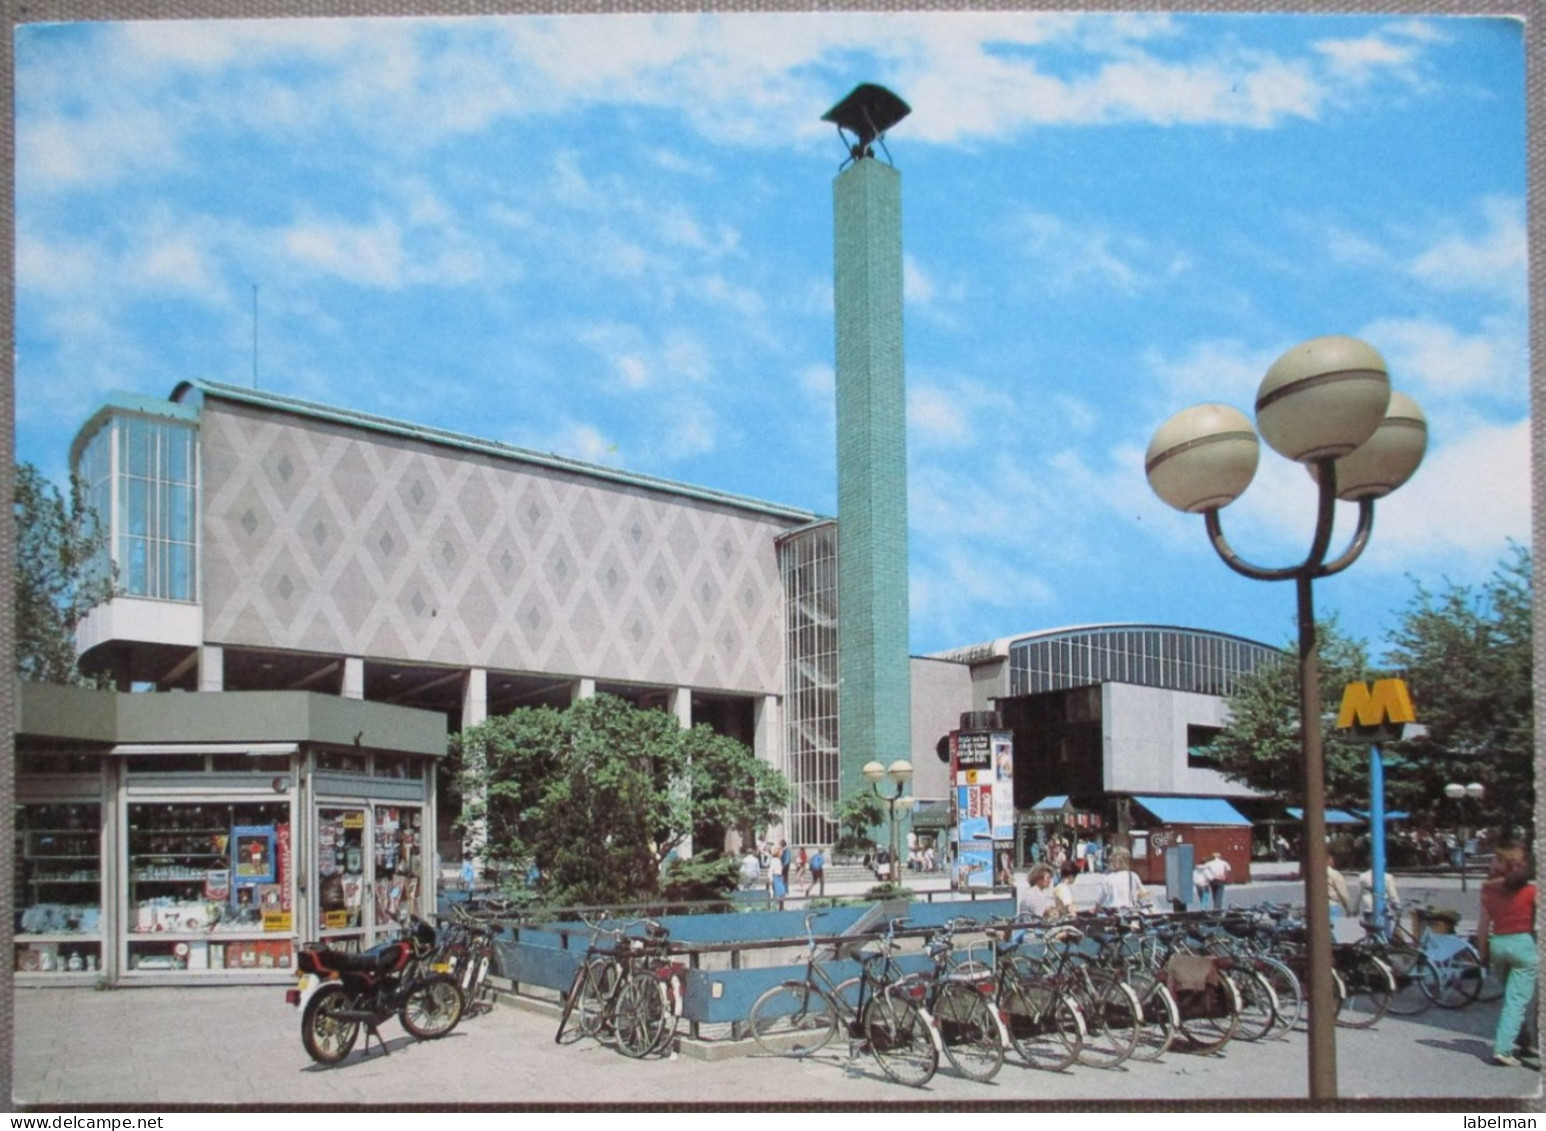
1366, 893
776, 884
818, 866
1337, 894
1505, 934
1218, 875
1200, 884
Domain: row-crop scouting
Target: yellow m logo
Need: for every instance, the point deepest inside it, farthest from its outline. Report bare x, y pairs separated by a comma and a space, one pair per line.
1386, 701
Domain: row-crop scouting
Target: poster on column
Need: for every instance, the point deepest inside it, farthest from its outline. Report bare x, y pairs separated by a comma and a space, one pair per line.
974, 860
1003, 746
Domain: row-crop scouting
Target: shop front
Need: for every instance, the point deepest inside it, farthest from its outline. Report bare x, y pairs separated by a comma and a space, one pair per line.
203, 836
1208, 824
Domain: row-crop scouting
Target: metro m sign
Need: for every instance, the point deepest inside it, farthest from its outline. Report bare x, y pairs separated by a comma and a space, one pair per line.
1378, 712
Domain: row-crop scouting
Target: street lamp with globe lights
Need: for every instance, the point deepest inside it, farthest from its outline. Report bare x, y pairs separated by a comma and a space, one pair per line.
1460, 794
1327, 404
900, 773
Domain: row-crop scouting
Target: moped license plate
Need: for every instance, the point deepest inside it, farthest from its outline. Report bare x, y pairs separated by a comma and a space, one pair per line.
305, 985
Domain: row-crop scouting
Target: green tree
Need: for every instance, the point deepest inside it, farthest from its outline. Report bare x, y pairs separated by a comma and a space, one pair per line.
1466, 655
1260, 745
602, 795
857, 816
59, 548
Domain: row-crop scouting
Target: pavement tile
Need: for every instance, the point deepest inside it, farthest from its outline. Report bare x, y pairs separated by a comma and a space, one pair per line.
241, 1046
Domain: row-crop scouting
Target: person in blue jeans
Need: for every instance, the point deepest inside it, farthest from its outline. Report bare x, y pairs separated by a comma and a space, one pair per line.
1505, 935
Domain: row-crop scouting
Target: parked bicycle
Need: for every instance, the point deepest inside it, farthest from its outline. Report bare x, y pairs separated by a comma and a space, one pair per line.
1448, 968
964, 1007
885, 1015
466, 952
1046, 1026
626, 990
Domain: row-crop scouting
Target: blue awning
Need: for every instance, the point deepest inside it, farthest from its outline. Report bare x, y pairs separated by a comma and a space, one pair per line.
1335, 817
1055, 802
1193, 810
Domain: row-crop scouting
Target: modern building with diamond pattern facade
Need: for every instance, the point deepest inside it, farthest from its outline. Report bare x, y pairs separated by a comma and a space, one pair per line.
315, 548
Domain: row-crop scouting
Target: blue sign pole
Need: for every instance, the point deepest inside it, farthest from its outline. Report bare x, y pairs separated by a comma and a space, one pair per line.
1377, 832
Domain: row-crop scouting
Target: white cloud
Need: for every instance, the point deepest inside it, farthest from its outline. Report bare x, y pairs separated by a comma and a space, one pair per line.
1213, 371
1435, 362
1492, 260
1358, 58
740, 79
367, 255
58, 151
1469, 498
584, 442
935, 418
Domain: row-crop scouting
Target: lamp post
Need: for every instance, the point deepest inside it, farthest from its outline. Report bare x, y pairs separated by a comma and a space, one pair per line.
1327, 404
900, 773
1460, 794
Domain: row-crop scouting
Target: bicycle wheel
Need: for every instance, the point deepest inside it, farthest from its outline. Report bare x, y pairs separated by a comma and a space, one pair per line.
1491, 988
1045, 1027
793, 1019
901, 1037
1416, 980
327, 1038
1160, 1020
1210, 1019
1288, 992
1111, 1016
597, 997
432, 1008
974, 1039
1460, 980
1369, 987
1258, 1004
640, 1014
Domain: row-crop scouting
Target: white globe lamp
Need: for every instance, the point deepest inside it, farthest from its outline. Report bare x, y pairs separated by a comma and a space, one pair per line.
1202, 458
1323, 398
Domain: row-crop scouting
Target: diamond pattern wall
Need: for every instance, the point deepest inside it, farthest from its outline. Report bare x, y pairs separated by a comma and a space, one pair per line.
321, 536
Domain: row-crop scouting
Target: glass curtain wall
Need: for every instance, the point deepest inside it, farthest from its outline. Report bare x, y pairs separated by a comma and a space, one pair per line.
1208, 663
808, 564
141, 478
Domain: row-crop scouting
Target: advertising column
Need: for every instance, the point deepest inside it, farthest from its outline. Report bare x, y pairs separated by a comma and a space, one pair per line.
982, 771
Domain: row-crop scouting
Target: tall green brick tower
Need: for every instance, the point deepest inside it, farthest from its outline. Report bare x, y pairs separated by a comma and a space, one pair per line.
874, 711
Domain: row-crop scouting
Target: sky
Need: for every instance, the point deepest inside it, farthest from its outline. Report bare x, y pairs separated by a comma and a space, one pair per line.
610, 237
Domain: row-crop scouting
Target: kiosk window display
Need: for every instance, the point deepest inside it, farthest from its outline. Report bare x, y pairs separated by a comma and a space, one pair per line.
58, 898
369, 864
210, 886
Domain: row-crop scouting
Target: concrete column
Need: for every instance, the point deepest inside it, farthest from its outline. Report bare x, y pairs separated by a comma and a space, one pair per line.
768, 745
679, 703
475, 698
354, 677
475, 759
583, 688
768, 732
211, 668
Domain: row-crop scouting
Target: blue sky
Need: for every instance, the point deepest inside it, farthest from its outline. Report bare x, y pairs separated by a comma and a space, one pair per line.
610, 237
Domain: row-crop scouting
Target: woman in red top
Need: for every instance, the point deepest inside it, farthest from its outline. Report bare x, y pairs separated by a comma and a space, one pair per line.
1505, 934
